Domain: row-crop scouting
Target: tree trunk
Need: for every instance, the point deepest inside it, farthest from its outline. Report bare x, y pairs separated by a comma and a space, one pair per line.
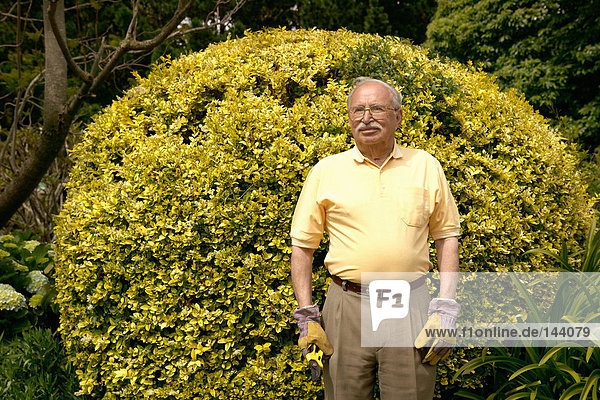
55, 126
55, 86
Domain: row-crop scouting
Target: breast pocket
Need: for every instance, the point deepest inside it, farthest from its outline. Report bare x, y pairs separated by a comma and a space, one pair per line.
413, 206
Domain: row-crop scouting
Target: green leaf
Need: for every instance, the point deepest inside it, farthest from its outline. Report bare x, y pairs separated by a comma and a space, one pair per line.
533, 395
549, 354
525, 386
562, 258
524, 369
565, 368
590, 384
467, 395
502, 361
525, 295
518, 396
588, 354
571, 391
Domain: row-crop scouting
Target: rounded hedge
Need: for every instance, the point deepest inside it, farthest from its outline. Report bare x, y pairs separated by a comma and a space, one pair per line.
173, 248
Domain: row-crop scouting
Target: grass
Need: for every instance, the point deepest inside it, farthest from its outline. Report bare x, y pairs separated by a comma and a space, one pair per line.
34, 366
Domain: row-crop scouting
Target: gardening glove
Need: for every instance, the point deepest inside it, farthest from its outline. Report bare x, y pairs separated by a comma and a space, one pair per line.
311, 332
442, 316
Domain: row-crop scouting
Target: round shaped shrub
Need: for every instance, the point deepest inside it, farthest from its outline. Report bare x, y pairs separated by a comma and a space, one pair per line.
173, 248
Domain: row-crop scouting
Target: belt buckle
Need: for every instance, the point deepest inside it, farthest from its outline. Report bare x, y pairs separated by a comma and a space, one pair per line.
345, 285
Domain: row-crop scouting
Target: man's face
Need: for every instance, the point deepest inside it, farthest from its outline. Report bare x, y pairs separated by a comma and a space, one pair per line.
368, 131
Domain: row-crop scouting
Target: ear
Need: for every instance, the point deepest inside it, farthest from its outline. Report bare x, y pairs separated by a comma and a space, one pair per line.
399, 117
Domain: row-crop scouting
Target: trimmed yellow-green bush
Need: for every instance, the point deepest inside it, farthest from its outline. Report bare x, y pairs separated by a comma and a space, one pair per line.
173, 248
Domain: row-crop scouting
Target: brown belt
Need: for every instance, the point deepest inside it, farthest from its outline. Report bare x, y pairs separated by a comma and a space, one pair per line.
358, 288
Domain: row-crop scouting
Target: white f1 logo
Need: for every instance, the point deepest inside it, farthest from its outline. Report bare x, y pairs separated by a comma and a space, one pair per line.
389, 300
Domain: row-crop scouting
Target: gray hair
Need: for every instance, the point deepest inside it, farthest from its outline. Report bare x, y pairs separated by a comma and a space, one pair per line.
361, 80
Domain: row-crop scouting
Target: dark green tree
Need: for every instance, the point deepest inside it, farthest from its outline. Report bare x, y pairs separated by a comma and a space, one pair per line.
549, 50
355, 15
409, 19
406, 19
258, 14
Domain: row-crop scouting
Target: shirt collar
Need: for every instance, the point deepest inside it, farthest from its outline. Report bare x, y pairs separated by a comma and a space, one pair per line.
358, 157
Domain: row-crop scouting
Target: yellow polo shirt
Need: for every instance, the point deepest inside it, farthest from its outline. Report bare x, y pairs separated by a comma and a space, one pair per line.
378, 218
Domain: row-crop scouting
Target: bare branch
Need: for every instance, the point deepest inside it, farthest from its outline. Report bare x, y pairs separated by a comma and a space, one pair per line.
130, 65
23, 18
84, 76
227, 18
21, 101
207, 24
12, 7
4, 97
133, 22
182, 10
137, 62
98, 56
84, 5
85, 57
215, 11
108, 68
191, 31
37, 102
129, 46
26, 97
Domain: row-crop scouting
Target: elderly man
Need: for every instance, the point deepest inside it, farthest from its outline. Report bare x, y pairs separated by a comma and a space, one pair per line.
379, 203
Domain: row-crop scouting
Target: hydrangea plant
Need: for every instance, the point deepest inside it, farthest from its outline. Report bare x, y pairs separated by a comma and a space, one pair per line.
26, 292
10, 299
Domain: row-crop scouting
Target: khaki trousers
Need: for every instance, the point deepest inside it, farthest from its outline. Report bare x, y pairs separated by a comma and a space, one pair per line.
351, 371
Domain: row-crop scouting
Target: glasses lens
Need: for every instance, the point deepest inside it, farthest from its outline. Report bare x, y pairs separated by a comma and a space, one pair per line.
376, 111
357, 112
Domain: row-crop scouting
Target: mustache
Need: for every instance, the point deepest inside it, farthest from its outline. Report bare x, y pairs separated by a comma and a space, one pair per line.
372, 124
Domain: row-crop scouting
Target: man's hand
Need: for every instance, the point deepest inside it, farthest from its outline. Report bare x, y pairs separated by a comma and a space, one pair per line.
311, 332
442, 316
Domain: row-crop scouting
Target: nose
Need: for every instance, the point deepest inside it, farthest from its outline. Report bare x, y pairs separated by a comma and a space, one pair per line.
366, 118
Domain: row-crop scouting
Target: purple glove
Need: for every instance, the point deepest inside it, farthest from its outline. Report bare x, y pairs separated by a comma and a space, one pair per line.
448, 310
305, 315
309, 324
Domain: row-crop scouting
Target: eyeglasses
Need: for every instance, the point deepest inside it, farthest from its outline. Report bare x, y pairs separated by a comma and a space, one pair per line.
376, 110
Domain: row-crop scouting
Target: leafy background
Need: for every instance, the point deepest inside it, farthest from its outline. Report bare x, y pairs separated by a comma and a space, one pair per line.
173, 250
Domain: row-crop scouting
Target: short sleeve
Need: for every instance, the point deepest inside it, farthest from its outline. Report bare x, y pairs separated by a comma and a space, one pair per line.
308, 221
444, 221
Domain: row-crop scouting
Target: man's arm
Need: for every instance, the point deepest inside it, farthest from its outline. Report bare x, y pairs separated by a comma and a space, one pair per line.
447, 256
443, 310
302, 275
